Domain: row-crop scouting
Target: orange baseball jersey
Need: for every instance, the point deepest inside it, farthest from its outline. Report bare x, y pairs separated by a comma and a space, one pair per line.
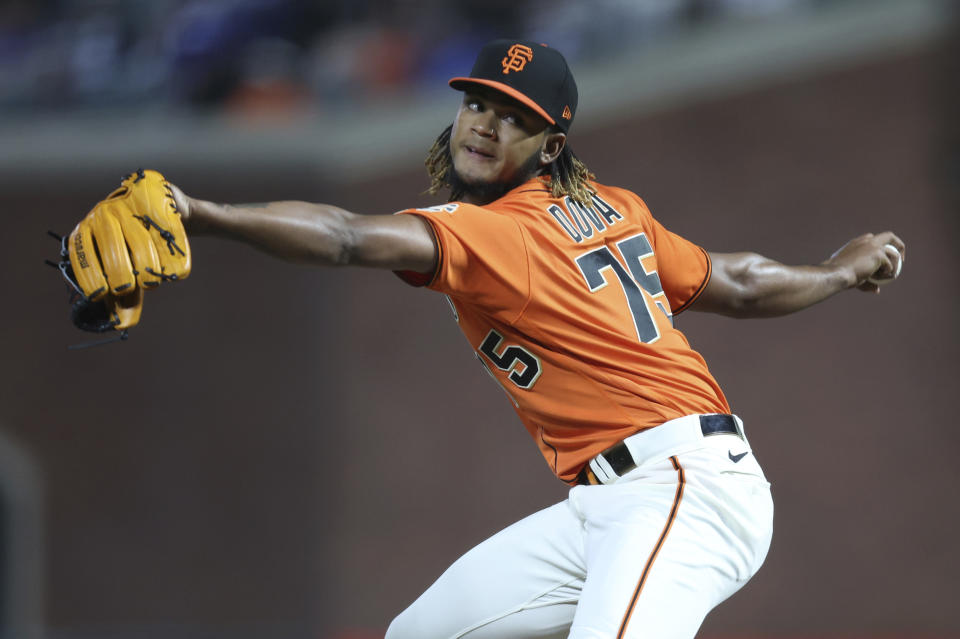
570, 308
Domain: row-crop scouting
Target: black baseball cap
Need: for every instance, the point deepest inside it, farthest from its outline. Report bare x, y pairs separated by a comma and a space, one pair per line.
531, 73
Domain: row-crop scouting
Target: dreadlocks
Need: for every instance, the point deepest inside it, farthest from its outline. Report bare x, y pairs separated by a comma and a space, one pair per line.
568, 175
439, 163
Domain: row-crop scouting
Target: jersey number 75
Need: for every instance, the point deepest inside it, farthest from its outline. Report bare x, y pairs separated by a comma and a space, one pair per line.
636, 281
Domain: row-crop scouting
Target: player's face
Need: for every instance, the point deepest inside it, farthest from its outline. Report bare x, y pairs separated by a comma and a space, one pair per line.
496, 140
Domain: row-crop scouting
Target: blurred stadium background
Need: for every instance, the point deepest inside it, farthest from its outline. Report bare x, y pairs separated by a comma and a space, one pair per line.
289, 452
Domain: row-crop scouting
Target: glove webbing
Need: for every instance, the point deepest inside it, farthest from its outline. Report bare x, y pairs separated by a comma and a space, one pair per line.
76, 295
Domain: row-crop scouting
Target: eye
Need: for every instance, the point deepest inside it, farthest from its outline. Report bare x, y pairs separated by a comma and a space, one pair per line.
512, 118
473, 104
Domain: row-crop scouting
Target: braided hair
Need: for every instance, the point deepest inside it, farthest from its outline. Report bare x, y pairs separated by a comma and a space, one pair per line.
568, 175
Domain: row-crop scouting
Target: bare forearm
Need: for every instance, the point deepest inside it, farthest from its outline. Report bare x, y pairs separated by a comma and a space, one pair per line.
761, 287
294, 231
316, 233
750, 285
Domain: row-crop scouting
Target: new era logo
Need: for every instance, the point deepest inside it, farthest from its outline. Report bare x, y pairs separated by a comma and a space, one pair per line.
566, 115
517, 57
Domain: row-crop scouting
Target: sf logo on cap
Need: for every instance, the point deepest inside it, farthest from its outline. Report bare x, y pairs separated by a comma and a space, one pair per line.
517, 58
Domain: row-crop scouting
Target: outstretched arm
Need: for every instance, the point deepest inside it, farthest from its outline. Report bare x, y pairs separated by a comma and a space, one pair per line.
316, 233
750, 285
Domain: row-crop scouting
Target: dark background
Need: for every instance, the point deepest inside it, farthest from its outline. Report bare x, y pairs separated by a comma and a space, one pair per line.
293, 452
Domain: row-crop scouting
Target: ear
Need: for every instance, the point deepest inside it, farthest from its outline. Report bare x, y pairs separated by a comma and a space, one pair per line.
553, 144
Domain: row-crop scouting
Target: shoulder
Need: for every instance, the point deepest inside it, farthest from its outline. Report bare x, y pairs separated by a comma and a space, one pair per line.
449, 208
468, 223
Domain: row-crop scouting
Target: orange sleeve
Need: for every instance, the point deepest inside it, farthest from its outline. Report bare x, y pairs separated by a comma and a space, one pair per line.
482, 259
684, 267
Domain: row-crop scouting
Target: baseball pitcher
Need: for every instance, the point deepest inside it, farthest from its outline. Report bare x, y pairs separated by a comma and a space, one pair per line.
566, 289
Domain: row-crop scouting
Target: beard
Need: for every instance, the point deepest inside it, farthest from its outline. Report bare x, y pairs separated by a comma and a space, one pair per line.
487, 192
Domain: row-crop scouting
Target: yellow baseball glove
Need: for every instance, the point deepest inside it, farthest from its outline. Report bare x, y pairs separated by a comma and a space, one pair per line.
132, 240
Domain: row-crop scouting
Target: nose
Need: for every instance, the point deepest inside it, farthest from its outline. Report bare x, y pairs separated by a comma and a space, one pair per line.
484, 124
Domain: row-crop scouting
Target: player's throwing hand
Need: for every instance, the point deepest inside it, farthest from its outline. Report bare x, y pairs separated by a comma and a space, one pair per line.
870, 260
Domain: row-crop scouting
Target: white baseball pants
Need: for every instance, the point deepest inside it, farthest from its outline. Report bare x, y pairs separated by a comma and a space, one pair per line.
647, 556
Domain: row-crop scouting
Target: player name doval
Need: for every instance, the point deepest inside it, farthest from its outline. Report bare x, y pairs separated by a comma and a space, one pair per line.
581, 222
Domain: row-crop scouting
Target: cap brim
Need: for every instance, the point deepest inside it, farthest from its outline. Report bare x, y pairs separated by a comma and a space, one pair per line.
459, 85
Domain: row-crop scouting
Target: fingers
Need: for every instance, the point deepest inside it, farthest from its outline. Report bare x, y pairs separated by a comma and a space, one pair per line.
891, 255
889, 237
896, 259
886, 265
143, 253
112, 249
870, 259
182, 201
887, 249
156, 208
127, 308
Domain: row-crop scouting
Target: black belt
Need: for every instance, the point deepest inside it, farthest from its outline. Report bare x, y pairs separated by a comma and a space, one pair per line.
621, 461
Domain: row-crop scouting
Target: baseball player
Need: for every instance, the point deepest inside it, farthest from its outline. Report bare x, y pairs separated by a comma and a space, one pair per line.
566, 289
